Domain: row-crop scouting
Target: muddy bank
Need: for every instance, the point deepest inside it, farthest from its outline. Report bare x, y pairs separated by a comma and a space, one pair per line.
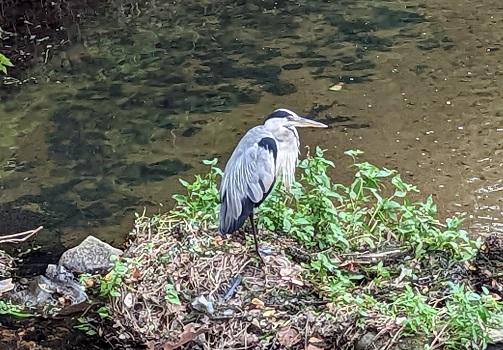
188, 289
42, 312
43, 334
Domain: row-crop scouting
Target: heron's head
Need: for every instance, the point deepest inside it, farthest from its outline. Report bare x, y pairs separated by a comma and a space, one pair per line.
286, 118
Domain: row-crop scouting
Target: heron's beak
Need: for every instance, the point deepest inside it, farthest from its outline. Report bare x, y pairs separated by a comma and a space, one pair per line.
308, 123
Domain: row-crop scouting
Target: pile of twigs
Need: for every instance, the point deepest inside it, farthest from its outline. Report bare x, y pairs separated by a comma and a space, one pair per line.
227, 299
188, 288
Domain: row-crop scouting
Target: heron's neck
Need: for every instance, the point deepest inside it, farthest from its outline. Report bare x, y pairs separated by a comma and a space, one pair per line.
288, 152
284, 134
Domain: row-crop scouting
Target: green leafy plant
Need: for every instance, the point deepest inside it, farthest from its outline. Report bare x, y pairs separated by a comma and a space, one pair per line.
419, 316
469, 316
8, 308
200, 204
85, 326
89, 322
103, 312
171, 295
364, 213
4, 63
110, 283
376, 211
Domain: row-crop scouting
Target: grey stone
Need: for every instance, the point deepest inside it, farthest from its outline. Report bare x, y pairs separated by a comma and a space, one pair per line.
90, 256
366, 341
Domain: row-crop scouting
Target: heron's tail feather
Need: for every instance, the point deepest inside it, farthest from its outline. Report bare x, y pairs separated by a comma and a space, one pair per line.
228, 222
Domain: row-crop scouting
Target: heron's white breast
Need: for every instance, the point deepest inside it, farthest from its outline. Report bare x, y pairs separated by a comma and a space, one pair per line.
288, 153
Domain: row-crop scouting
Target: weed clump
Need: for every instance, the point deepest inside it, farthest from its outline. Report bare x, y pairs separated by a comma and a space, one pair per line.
367, 258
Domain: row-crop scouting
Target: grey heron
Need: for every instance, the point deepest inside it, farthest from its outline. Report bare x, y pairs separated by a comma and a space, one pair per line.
264, 153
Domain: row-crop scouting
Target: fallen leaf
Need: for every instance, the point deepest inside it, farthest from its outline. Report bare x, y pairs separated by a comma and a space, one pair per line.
313, 347
128, 300
288, 337
189, 333
89, 282
248, 338
256, 323
486, 273
286, 271
259, 304
218, 240
135, 273
269, 313
336, 87
348, 264
172, 309
495, 296
184, 258
296, 281
312, 341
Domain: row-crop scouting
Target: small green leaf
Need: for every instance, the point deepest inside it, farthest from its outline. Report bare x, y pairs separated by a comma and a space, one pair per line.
4, 63
213, 161
353, 153
170, 294
184, 183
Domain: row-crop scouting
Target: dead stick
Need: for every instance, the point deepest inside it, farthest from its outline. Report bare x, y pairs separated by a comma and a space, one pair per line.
373, 255
433, 344
15, 238
394, 339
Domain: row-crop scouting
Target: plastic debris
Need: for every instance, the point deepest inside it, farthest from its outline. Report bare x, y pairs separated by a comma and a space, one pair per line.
202, 304
336, 87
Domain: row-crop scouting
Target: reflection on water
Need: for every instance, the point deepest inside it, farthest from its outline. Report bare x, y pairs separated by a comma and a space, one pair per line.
145, 90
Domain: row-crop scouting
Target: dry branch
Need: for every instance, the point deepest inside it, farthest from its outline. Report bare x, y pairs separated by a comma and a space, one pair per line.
19, 237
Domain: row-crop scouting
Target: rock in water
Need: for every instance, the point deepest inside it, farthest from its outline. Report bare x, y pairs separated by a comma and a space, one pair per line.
91, 256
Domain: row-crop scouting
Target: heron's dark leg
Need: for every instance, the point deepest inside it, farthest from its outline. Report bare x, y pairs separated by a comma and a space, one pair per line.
254, 231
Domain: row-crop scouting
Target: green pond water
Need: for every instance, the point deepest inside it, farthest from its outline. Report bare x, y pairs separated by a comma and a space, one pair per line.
127, 96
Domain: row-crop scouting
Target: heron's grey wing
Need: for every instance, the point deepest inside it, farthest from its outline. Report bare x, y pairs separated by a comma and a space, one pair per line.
248, 177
